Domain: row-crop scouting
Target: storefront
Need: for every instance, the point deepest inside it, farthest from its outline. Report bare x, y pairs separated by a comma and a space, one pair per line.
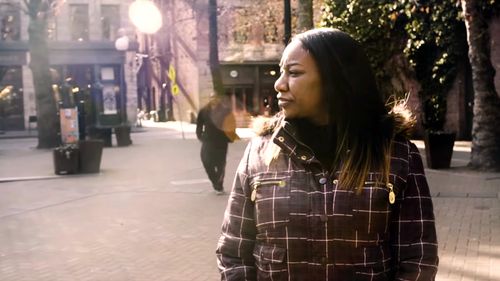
251, 87
12, 58
94, 70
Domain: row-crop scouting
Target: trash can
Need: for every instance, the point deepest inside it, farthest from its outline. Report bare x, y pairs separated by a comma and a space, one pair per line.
90, 156
66, 160
123, 136
103, 134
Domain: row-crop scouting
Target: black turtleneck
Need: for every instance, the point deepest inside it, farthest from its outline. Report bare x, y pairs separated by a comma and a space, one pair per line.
316, 137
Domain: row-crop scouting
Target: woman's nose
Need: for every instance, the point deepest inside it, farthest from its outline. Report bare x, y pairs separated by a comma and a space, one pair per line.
281, 85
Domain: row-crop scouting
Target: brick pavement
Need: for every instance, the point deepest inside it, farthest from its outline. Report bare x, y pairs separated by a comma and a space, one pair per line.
151, 215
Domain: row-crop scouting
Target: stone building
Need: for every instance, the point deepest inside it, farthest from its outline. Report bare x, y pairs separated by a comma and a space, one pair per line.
169, 76
81, 41
250, 46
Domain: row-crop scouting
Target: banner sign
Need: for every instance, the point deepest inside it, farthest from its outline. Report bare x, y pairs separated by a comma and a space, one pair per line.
69, 125
109, 100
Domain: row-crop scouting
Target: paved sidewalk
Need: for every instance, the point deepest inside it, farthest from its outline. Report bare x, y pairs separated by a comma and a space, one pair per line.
151, 214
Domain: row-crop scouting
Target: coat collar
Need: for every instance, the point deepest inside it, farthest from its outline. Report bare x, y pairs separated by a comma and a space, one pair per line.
286, 137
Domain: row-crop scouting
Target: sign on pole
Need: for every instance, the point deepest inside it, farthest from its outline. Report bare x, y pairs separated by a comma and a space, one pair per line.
171, 73
175, 89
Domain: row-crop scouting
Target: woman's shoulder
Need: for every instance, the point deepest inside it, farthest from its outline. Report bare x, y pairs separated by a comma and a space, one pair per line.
404, 143
401, 145
404, 152
259, 143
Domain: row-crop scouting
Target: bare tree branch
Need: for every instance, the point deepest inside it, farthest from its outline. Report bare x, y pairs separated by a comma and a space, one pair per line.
26, 4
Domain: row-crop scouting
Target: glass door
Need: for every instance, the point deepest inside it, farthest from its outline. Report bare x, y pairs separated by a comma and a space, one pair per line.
241, 98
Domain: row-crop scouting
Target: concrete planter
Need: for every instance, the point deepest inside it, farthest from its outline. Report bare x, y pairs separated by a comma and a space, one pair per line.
90, 156
439, 149
66, 160
123, 136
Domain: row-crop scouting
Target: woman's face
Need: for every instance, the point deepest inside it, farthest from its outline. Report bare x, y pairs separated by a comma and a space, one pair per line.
299, 88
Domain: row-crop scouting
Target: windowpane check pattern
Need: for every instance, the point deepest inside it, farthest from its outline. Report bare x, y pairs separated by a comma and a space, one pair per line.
300, 224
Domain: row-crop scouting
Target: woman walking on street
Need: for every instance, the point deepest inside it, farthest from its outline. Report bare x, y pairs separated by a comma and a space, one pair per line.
215, 128
331, 189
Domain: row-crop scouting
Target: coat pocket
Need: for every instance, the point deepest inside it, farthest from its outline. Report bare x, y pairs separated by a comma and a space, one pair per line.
270, 261
372, 209
271, 197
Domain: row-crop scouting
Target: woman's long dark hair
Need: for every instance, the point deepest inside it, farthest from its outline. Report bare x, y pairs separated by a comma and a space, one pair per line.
359, 122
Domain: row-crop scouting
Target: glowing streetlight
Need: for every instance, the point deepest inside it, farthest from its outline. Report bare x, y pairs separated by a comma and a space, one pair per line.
145, 16
122, 43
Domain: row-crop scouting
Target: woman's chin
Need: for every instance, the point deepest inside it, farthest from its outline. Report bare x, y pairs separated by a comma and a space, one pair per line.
288, 114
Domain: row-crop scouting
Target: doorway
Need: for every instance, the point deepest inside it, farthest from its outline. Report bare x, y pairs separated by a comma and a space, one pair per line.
241, 98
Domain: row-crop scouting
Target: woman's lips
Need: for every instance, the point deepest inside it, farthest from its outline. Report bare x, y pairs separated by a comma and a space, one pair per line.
284, 102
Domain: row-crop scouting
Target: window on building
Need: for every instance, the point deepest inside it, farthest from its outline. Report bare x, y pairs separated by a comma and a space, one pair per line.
241, 26
11, 98
270, 28
10, 23
51, 28
110, 21
81, 78
79, 22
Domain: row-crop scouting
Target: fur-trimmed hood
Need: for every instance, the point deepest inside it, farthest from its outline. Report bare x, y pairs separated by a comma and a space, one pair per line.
404, 121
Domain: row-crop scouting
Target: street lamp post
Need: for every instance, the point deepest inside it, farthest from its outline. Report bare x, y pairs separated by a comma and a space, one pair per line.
122, 44
165, 59
122, 132
288, 22
147, 18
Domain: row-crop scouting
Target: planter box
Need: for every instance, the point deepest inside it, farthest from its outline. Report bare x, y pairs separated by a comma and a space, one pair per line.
101, 134
439, 149
123, 136
90, 156
66, 160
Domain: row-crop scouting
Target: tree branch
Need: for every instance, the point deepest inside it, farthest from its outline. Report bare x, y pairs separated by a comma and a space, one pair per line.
27, 4
14, 5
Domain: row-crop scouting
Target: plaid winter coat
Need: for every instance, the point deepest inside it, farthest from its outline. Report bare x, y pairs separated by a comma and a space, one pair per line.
291, 220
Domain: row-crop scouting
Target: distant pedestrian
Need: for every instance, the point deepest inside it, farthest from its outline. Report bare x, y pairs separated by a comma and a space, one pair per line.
215, 128
140, 117
331, 188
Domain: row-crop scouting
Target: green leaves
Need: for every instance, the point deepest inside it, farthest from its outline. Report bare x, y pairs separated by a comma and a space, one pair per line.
375, 24
434, 112
429, 33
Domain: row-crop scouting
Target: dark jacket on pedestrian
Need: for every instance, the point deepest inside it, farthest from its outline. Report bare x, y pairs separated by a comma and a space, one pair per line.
288, 219
215, 124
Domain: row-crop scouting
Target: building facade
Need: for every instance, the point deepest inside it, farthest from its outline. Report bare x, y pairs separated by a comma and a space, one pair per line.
250, 46
250, 43
81, 42
168, 76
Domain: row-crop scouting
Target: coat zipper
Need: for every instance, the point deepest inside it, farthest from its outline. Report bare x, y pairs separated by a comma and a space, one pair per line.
255, 185
390, 187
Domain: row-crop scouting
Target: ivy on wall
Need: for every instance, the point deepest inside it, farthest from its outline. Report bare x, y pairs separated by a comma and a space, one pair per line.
375, 25
430, 33
436, 42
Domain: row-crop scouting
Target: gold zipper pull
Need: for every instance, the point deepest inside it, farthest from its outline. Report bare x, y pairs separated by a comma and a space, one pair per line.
254, 192
392, 196
253, 195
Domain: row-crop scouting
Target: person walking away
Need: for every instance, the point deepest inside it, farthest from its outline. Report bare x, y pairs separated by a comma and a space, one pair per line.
215, 128
331, 188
